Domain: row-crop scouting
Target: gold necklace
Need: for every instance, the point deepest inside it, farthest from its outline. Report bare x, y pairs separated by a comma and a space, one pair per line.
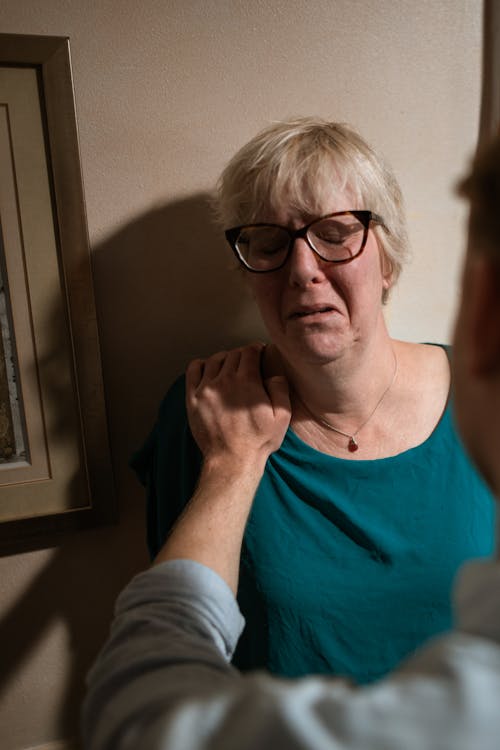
353, 445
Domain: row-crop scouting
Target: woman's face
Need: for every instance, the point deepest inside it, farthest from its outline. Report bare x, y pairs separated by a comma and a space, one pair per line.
316, 311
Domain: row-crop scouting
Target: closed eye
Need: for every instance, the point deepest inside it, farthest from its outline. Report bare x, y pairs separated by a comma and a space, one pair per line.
336, 235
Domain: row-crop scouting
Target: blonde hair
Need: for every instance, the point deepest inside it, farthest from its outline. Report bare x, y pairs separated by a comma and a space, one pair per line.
295, 163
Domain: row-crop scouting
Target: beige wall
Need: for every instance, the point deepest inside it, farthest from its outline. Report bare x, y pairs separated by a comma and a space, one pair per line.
166, 91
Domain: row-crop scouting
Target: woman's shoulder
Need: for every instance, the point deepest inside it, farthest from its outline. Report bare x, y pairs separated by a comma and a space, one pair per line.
425, 366
174, 400
171, 422
421, 392
169, 444
428, 352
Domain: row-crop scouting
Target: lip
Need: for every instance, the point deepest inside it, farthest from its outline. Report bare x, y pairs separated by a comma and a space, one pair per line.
303, 312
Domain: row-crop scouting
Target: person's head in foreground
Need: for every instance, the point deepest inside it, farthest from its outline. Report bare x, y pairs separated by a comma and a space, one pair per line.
477, 333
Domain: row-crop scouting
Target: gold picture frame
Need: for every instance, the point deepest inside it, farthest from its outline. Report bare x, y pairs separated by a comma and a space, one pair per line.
55, 465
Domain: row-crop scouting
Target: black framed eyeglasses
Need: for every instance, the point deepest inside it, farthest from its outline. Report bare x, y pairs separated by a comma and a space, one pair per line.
336, 238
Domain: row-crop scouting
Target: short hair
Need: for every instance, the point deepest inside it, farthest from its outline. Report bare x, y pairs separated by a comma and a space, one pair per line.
296, 162
482, 188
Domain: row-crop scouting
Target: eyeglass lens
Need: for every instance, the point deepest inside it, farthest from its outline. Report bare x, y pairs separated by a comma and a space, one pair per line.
334, 238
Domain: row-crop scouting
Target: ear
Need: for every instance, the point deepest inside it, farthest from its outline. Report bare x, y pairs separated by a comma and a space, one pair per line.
482, 308
387, 279
387, 269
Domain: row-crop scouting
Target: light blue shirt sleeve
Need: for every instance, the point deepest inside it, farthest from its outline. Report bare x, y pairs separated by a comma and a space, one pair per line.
163, 681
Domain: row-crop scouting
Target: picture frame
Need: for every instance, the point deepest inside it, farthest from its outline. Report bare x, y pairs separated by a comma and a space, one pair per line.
55, 463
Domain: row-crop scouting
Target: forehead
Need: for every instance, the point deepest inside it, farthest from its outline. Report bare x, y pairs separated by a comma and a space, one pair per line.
303, 209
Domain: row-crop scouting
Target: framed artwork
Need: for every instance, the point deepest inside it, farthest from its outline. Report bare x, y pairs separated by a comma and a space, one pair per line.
55, 467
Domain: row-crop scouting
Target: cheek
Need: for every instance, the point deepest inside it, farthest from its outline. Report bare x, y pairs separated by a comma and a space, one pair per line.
378, 274
357, 283
380, 267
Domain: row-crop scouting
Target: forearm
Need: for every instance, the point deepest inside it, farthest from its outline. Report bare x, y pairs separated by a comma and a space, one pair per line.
211, 529
237, 422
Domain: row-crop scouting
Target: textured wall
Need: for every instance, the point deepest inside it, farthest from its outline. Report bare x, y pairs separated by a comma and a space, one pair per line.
166, 91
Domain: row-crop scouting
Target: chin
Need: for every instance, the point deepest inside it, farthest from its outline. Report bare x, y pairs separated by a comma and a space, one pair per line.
313, 352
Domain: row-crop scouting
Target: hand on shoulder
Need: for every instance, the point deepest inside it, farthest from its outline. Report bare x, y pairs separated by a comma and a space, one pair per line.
233, 414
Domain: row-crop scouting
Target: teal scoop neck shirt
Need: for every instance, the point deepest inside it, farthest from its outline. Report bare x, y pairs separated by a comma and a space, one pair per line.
347, 566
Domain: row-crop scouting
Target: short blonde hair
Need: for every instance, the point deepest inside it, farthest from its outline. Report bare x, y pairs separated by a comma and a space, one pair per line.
295, 163
482, 188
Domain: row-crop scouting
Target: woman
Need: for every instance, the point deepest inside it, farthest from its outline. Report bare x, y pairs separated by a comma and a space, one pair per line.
370, 505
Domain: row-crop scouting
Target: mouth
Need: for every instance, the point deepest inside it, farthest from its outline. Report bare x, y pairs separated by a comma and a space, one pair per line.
311, 310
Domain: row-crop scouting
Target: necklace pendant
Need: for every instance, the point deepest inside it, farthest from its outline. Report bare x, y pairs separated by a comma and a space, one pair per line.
352, 445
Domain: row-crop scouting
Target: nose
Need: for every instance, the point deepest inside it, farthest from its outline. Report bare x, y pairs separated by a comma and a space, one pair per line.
305, 267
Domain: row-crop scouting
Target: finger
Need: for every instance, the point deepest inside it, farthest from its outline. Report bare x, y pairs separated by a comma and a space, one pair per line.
232, 361
279, 395
213, 365
250, 360
194, 374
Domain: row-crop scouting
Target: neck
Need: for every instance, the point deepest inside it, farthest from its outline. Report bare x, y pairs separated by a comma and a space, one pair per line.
345, 387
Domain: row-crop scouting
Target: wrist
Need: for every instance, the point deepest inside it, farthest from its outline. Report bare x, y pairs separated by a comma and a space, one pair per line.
229, 467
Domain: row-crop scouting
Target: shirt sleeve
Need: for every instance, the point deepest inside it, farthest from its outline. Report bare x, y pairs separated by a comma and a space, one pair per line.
163, 682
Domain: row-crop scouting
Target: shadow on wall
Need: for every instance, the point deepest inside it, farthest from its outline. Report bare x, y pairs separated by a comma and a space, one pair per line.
76, 588
166, 291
